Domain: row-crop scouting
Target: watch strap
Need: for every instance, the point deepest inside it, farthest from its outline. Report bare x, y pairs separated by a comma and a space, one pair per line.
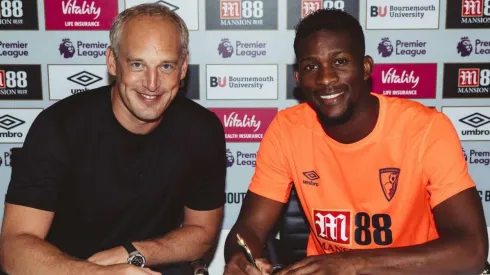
130, 248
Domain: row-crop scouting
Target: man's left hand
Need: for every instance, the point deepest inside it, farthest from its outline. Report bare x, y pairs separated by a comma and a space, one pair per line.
320, 265
116, 255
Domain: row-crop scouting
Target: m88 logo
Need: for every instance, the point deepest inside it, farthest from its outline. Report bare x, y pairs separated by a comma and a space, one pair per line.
241, 14
310, 6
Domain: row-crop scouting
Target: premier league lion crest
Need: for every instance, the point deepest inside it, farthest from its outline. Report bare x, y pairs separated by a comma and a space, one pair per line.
66, 48
388, 178
464, 46
385, 48
230, 159
225, 48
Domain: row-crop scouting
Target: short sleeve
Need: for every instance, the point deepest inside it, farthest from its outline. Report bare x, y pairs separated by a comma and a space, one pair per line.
39, 166
444, 164
272, 177
209, 182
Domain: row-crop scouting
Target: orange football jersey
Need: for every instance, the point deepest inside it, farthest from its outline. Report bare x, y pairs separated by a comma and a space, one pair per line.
374, 193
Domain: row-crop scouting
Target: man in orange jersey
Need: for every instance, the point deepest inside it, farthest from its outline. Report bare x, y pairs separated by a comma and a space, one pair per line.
382, 180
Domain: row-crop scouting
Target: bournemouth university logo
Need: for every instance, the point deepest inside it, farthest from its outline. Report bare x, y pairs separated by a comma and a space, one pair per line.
388, 179
333, 226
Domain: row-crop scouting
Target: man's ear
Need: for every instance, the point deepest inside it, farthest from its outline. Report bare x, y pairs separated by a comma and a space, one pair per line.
368, 66
183, 69
110, 60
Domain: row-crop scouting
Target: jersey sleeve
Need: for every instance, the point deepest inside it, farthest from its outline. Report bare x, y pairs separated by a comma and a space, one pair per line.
40, 166
443, 161
272, 178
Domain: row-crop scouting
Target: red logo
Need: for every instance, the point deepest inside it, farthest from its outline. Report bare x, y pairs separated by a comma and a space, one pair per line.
230, 9
2, 79
472, 8
469, 77
333, 226
310, 6
245, 124
388, 178
80, 14
405, 80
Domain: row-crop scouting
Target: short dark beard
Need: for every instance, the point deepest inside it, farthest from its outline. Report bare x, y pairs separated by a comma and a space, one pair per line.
335, 121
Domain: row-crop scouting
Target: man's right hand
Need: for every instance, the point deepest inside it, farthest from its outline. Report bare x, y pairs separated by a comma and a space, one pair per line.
239, 265
126, 269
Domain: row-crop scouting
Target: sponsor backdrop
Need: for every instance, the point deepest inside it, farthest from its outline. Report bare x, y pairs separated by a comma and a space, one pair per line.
434, 51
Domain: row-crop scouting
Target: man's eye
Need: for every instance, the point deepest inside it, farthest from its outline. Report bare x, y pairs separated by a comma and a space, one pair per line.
309, 67
167, 67
136, 65
341, 61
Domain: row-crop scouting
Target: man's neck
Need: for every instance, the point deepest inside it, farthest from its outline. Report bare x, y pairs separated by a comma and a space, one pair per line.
360, 125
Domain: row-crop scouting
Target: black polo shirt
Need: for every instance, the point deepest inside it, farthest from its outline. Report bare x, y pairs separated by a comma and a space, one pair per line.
108, 186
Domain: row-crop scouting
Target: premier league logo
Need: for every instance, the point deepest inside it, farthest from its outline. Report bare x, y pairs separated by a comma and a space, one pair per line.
464, 46
66, 48
225, 49
388, 178
385, 48
230, 159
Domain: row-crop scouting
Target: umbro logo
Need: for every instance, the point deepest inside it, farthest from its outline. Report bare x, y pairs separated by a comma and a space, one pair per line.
475, 120
168, 5
84, 78
311, 176
9, 122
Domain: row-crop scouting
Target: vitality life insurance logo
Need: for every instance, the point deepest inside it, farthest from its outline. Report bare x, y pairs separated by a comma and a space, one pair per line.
465, 47
471, 123
80, 15
466, 80
18, 15
241, 14
468, 14
402, 14
68, 49
245, 124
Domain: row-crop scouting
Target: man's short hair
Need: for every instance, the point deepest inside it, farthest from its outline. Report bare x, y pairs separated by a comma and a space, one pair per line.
148, 9
331, 20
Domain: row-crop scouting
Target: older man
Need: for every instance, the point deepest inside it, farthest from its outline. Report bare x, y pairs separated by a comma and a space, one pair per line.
111, 180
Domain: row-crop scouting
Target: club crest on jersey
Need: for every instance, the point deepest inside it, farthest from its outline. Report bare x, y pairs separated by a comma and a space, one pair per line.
388, 179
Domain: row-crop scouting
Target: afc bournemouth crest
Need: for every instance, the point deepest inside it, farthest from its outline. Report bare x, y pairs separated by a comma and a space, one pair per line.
388, 178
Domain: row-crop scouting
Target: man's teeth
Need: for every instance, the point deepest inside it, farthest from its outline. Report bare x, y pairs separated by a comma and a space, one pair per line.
149, 96
331, 96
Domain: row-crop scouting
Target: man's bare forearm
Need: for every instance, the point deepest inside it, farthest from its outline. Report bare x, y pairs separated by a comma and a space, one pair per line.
455, 256
29, 255
188, 243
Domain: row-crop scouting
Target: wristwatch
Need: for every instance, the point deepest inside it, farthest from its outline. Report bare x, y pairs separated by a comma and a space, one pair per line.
134, 256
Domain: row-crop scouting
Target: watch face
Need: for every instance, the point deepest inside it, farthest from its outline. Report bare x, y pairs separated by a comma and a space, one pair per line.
138, 260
